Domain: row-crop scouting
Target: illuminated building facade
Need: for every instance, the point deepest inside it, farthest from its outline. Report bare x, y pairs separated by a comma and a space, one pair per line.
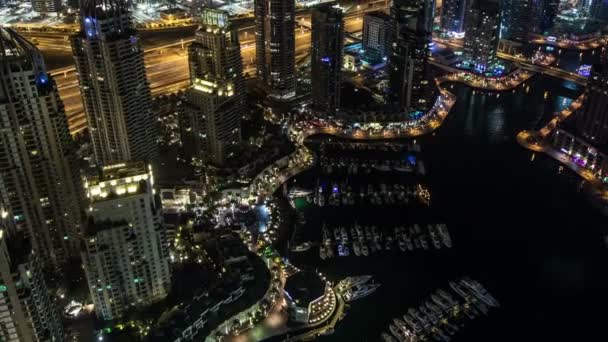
38, 176
275, 47
46, 6
517, 20
592, 117
452, 18
483, 30
113, 83
215, 100
376, 36
326, 61
126, 256
309, 297
408, 68
212, 118
27, 312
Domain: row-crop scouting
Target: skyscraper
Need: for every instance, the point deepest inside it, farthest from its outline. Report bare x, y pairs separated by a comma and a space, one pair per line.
453, 16
126, 257
38, 181
27, 311
46, 6
326, 61
216, 98
376, 36
592, 118
113, 84
517, 20
409, 79
483, 30
275, 47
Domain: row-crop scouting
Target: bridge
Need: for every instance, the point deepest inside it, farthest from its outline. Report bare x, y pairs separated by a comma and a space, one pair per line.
546, 70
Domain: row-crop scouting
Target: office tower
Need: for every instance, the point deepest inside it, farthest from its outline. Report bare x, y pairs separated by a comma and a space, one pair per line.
39, 184
46, 6
215, 100
216, 51
452, 19
27, 311
409, 79
548, 10
592, 118
113, 84
483, 30
275, 47
326, 61
126, 257
376, 36
517, 20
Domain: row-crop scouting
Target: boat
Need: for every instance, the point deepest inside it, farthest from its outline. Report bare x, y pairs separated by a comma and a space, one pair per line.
445, 305
480, 291
419, 316
445, 235
323, 252
430, 315
399, 335
402, 244
303, 247
360, 291
356, 248
423, 242
388, 243
330, 251
434, 236
459, 290
388, 338
346, 251
439, 335
434, 308
408, 242
336, 234
364, 249
447, 297
368, 234
382, 167
411, 321
355, 280
344, 234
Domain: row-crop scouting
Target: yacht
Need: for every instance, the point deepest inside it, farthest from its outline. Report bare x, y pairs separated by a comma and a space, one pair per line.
388, 244
459, 290
360, 291
445, 235
355, 280
399, 335
424, 242
434, 236
303, 247
447, 297
356, 248
402, 244
411, 321
323, 252
408, 242
368, 234
358, 230
445, 305
364, 249
419, 316
428, 314
344, 234
336, 234
330, 251
439, 335
388, 338
480, 291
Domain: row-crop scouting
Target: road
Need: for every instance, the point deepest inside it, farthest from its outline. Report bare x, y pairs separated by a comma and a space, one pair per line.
167, 70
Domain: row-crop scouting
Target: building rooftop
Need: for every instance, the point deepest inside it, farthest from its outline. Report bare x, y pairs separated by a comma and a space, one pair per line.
118, 180
304, 287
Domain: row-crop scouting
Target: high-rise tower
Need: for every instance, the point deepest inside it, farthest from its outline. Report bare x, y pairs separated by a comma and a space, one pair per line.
453, 14
275, 47
27, 310
376, 36
408, 68
113, 84
592, 118
215, 100
39, 185
483, 30
126, 256
326, 61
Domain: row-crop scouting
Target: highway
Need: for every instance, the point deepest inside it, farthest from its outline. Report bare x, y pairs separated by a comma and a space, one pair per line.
167, 70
